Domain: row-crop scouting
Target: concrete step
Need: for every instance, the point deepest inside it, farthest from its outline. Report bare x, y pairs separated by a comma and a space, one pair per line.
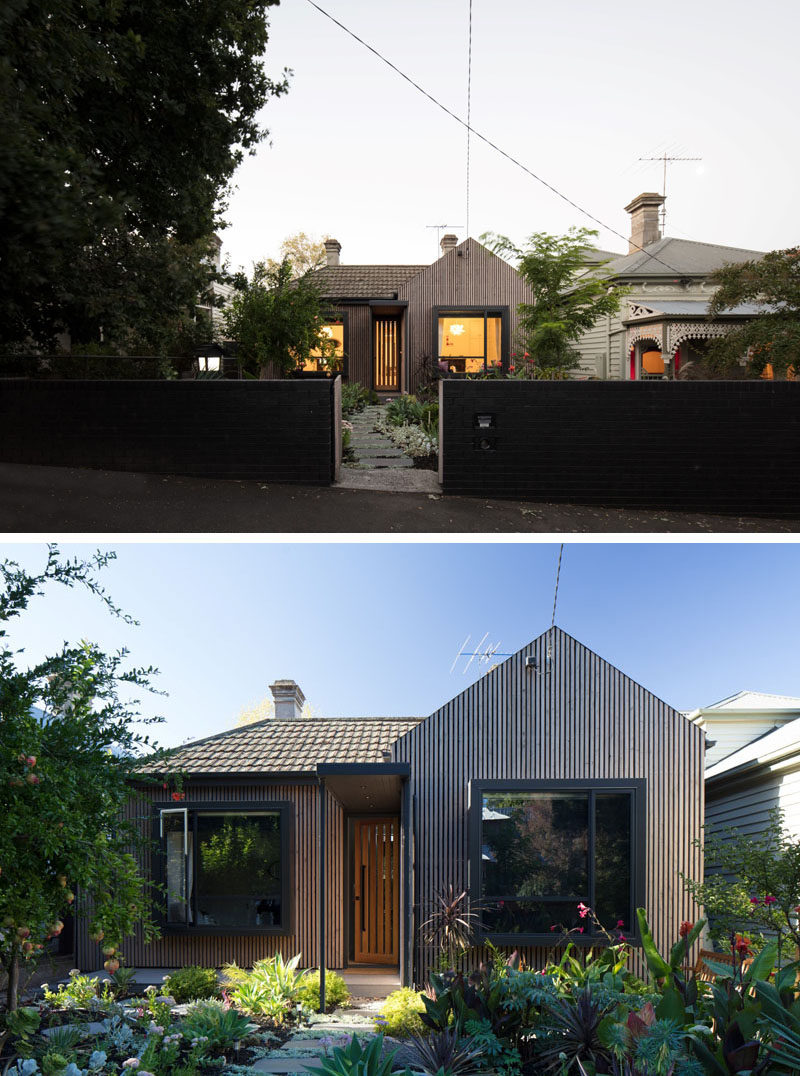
379, 461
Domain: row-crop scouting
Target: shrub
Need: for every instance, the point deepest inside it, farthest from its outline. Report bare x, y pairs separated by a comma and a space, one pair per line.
404, 411
211, 1019
400, 1015
191, 983
336, 992
270, 990
354, 398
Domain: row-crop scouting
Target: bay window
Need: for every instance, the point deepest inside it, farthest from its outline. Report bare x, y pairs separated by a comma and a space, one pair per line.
225, 867
539, 850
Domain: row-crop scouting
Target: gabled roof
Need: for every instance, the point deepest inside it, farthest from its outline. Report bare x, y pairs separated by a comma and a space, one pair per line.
754, 700
696, 308
364, 281
276, 745
683, 257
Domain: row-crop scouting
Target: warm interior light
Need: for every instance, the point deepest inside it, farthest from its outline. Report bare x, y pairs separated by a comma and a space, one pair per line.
457, 329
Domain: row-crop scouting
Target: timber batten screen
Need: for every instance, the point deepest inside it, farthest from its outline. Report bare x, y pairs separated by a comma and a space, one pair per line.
387, 354
377, 891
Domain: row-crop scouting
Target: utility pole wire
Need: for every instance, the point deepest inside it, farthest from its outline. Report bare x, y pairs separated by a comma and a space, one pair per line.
493, 145
558, 576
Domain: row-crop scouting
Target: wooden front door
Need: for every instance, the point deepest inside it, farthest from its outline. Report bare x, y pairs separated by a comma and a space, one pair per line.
386, 372
377, 891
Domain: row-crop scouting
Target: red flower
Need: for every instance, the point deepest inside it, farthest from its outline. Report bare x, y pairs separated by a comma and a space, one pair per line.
742, 946
583, 910
686, 928
553, 927
755, 900
579, 930
620, 923
770, 900
178, 796
511, 368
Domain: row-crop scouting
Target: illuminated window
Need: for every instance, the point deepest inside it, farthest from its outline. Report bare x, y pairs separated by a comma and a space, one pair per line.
333, 330
470, 341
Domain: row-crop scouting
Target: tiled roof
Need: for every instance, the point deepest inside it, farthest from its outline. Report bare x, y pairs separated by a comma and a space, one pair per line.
682, 256
295, 746
365, 281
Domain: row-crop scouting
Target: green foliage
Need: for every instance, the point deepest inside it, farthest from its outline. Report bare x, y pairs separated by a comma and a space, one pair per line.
220, 1025
570, 1032
568, 300
355, 1060
354, 398
277, 318
190, 983
271, 989
774, 336
124, 126
77, 993
752, 883
65, 779
336, 992
400, 1013
452, 921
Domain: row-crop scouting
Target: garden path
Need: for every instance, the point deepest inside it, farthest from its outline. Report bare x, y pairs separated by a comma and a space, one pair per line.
309, 1044
379, 464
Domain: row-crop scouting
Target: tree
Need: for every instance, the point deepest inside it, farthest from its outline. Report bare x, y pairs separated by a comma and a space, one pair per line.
123, 125
773, 337
68, 750
303, 251
567, 301
755, 885
278, 319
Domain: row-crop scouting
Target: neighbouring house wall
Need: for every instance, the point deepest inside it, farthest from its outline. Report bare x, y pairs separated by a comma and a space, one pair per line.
583, 719
729, 733
468, 275
173, 951
608, 336
743, 804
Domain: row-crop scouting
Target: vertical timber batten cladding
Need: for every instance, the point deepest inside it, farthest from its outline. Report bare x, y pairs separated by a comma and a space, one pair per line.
572, 716
176, 950
468, 275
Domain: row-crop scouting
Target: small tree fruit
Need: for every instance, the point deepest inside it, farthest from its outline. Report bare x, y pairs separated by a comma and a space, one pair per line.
61, 879
111, 966
23, 932
97, 936
109, 950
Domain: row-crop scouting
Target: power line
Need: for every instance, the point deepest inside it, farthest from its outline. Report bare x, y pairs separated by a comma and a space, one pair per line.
558, 576
489, 142
469, 105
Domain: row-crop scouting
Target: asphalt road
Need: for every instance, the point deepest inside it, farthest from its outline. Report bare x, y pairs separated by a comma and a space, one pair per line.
57, 500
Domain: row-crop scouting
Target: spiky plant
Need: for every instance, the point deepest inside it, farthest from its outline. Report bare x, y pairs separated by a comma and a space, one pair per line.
452, 923
441, 1051
573, 1038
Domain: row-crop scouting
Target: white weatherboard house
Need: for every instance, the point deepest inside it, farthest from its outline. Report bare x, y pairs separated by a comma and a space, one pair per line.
752, 761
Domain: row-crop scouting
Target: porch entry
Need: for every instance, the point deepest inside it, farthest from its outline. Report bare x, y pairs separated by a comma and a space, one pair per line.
377, 890
386, 354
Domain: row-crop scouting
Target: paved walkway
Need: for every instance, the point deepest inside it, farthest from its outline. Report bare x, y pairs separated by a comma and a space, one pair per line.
309, 1044
379, 465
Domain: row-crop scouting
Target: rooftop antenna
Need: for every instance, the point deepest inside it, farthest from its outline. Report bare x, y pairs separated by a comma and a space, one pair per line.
439, 229
484, 653
665, 161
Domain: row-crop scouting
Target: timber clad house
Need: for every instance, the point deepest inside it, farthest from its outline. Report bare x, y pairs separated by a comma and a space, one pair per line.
553, 780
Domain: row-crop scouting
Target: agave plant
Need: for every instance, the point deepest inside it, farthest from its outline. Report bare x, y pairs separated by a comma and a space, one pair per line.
452, 923
440, 1052
355, 1060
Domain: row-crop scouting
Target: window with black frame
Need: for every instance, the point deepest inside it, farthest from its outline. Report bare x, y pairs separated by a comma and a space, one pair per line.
224, 869
470, 341
545, 851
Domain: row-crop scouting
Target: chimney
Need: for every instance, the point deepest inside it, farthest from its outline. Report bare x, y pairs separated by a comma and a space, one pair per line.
332, 250
644, 220
449, 242
288, 698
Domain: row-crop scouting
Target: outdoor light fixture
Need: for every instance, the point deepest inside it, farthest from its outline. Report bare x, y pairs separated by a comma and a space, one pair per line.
484, 422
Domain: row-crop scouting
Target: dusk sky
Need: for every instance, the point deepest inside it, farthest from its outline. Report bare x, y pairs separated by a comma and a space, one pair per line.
374, 629
577, 91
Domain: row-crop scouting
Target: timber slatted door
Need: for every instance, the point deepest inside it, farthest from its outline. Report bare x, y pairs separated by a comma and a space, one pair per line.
386, 374
377, 891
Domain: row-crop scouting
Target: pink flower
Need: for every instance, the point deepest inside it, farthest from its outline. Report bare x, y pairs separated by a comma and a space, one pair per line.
620, 923
754, 900
583, 910
579, 930
553, 927
770, 900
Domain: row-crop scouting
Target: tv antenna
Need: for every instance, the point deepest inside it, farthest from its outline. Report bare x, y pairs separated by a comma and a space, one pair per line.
484, 653
665, 160
439, 229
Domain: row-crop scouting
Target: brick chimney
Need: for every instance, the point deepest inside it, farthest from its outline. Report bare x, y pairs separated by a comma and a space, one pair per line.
449, 242
288, 698
645, 228
332, 250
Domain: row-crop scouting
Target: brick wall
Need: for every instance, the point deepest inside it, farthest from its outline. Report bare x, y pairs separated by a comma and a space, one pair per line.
281, 431
723, 446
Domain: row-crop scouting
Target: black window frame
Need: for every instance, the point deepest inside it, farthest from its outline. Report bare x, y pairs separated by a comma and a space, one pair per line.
283, 808
637, 788
470, 312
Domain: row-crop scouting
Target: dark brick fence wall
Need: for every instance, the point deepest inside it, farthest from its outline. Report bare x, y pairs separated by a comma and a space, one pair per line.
726, 446
277, 431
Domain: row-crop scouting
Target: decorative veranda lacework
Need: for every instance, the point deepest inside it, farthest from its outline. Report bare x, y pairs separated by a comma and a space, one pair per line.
681, 331
646, 332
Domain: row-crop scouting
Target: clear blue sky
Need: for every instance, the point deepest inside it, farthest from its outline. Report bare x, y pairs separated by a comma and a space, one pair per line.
373, 629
